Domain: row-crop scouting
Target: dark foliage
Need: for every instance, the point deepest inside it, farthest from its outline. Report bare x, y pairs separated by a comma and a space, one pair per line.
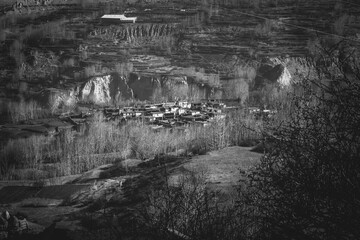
307, 186
189, 211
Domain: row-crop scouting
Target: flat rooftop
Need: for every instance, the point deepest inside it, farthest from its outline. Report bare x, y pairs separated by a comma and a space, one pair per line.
121, 17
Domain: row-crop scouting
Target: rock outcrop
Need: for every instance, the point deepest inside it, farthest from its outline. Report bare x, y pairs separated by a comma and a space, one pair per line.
270, 72
180, 83
105, 89
96, 90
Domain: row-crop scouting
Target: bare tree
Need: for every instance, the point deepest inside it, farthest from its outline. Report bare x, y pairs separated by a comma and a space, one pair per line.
307, 186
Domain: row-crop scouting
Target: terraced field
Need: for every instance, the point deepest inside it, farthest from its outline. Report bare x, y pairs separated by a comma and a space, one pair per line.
204, 37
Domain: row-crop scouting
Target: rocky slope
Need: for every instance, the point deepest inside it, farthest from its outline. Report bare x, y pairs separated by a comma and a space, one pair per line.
185, 84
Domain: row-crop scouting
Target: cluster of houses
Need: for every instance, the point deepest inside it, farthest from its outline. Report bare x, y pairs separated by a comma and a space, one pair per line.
260, 113
173, 114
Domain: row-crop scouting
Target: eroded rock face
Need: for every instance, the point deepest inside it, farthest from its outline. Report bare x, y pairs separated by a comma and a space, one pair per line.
180, 84
300, 69
285, 76
105, 89
190, 85
96, 90
271, 72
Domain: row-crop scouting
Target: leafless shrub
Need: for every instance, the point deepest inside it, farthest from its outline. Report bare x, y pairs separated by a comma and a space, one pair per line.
146, 143
189, 211
26, 110
65, 154
307, 187
21, 153
244, 129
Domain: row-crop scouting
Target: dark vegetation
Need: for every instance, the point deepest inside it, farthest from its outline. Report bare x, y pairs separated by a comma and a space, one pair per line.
307, 186
189, 211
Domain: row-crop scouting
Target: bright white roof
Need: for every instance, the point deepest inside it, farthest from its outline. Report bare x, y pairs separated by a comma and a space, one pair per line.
118, 16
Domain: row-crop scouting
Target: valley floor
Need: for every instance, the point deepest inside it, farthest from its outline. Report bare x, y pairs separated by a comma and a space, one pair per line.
116, 191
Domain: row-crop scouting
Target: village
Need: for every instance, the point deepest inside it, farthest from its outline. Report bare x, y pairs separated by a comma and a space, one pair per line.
181, 114
172, 114
177, 115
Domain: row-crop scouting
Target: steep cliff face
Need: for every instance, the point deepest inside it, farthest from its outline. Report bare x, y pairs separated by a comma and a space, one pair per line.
96, 90
274, 76
285, 77
272, 71
191, 85
300, 68
182, 84
105, 89
114, 88
283, 71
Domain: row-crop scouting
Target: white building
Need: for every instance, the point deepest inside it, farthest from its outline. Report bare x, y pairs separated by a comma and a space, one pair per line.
120, 17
